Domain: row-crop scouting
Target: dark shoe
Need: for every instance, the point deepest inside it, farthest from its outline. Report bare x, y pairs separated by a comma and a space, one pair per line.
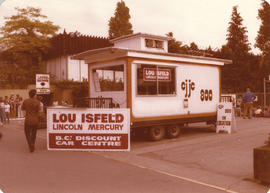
32, 149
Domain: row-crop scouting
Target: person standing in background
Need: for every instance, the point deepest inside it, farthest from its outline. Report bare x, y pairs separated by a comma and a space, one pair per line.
32, 107
41, 104
20, 114
248, 99
12, 106
238, 110
7, 111
7, 99
16, 103
2, 112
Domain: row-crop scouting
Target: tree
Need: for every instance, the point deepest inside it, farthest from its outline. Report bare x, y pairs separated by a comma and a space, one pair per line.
175, 46
263, 38
25, 39
119, 25
237, 39
235, 76
194, 49
193, 46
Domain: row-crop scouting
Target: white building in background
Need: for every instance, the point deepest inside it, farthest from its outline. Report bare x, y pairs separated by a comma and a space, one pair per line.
64, 68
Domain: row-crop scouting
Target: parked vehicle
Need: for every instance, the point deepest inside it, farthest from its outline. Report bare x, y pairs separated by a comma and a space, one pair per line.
162, 90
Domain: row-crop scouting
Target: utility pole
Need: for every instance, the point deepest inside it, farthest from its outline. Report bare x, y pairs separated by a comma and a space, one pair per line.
264, 90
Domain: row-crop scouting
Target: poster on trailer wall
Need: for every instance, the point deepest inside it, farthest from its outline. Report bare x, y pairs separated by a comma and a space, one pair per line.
152, 74
88, 129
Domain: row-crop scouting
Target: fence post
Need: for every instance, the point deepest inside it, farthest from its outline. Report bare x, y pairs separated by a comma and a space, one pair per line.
264, 94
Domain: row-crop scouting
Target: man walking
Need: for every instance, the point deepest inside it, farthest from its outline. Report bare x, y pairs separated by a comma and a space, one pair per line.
248, 99
32, 107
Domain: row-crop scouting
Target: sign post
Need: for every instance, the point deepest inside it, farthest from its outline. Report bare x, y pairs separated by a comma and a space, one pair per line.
88, 129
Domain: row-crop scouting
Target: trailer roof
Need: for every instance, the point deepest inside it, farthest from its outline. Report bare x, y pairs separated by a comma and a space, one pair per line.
122, 38
110, 53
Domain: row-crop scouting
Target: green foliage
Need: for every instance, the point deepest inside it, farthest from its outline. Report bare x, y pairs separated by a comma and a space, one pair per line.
108, 85
66, 84
237, 40
236, 76
80, 90
193, 46
119, 25
25, 39
175, 46
78, 93
263, 37
26, 33
11, 78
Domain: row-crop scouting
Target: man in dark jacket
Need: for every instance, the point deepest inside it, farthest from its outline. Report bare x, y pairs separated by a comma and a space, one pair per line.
32, 107
248, 99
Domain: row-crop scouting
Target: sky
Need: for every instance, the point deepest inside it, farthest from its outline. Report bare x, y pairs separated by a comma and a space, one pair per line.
204, 22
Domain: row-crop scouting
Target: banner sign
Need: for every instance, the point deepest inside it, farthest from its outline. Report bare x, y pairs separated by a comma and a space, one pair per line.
43, 83
88, 129
151, 74
224, 117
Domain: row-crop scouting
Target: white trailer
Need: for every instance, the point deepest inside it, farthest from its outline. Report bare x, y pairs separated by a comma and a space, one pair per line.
162, 90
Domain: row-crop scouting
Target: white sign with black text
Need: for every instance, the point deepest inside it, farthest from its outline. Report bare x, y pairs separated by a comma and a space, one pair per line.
224, 117
43, 83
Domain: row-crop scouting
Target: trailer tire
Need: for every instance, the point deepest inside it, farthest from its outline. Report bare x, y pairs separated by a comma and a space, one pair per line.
173, 131
156, 133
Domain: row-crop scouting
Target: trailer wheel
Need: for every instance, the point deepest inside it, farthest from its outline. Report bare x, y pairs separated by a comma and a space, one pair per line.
156, 133
173, 131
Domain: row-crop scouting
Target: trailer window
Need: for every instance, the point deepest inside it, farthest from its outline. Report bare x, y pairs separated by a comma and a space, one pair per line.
154, 80
109, 78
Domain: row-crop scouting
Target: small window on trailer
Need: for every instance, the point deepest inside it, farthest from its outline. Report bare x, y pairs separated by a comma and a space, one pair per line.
149, 43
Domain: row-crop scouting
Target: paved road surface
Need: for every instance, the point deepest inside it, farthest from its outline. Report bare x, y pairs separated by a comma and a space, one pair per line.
198, 161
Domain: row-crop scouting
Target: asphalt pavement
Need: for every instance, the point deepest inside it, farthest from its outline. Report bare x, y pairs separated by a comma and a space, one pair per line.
199, 158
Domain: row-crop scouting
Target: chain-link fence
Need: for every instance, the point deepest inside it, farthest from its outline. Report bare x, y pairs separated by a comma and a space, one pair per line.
260, 99
258, 103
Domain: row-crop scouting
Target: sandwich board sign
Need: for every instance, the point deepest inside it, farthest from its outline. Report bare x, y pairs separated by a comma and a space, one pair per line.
43, 83
224, 117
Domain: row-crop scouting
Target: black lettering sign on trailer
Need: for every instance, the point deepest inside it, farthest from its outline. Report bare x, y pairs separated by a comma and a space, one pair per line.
188, 86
